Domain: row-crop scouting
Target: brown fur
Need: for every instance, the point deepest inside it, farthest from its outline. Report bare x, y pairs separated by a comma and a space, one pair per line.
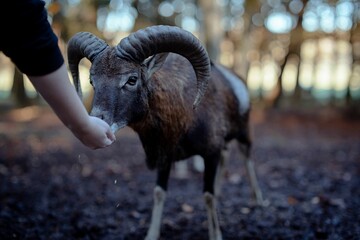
172, 130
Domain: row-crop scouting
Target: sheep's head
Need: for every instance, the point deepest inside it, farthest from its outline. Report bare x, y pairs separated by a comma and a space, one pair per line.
119, 74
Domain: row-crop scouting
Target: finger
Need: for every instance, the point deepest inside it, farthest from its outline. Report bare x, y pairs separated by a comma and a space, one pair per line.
111, 135
108, 142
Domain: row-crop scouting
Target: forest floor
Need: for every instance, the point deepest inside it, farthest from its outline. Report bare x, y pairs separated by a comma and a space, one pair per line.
52, 187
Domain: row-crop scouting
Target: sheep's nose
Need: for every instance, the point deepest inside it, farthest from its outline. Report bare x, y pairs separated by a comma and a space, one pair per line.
101, 116
96, 112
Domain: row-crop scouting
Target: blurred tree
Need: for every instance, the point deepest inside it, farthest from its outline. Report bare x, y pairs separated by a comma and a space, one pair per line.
294, 48
242, 38
238, 33
352, 103
83, 17
214, 33
18, 92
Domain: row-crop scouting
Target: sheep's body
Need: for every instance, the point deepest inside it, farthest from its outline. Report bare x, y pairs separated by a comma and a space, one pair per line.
154, 97
173, 130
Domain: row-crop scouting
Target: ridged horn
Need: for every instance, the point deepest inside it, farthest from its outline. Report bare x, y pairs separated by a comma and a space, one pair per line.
158, 39
83, 44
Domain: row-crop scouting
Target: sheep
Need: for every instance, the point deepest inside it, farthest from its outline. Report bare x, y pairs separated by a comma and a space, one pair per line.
147, 82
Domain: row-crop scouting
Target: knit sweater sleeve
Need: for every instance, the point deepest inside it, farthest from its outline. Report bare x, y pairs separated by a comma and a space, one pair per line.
29, 40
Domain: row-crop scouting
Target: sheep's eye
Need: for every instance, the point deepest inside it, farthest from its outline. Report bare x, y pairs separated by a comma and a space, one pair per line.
132, 80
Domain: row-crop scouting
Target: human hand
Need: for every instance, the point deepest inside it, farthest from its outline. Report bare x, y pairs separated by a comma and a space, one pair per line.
95, 134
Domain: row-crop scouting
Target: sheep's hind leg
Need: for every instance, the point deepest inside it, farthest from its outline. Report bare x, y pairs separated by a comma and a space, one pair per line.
210, 199
153, 232
250, 170
253, 181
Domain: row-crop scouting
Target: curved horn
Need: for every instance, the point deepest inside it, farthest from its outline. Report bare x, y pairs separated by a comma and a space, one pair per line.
83, 44
157, 39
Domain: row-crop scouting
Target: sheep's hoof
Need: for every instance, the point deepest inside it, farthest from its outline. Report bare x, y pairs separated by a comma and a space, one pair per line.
151, 238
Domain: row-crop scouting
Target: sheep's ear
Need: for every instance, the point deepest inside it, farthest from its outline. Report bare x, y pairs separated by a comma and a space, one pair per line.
154, 63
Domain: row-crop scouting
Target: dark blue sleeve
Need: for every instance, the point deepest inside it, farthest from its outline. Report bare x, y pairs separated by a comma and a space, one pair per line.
28, 38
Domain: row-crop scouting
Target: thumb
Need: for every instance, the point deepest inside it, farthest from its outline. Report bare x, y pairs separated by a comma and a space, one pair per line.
110, 135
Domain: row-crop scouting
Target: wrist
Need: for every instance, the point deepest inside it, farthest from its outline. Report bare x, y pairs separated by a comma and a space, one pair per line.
80, 128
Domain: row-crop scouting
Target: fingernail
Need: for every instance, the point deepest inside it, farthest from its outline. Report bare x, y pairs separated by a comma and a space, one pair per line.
108, 142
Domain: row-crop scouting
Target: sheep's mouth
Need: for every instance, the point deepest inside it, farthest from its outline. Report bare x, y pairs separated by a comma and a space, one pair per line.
117, 126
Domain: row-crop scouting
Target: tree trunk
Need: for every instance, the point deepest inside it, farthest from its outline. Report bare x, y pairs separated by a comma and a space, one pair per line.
296, 39
18, 92
213, 30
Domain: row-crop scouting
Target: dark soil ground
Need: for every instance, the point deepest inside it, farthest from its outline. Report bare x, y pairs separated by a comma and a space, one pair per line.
52, 187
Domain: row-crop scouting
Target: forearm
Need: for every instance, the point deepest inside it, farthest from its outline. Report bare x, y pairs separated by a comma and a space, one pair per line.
61, 96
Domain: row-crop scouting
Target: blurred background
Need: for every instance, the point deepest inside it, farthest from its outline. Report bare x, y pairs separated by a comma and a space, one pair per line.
301, 62
292, 53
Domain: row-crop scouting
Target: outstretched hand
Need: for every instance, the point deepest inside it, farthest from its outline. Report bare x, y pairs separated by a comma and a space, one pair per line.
96, 133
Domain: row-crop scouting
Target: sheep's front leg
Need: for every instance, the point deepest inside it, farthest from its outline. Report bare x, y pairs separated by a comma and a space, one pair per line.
155, 225
153, 232
213, 221
210, 199
221, 172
